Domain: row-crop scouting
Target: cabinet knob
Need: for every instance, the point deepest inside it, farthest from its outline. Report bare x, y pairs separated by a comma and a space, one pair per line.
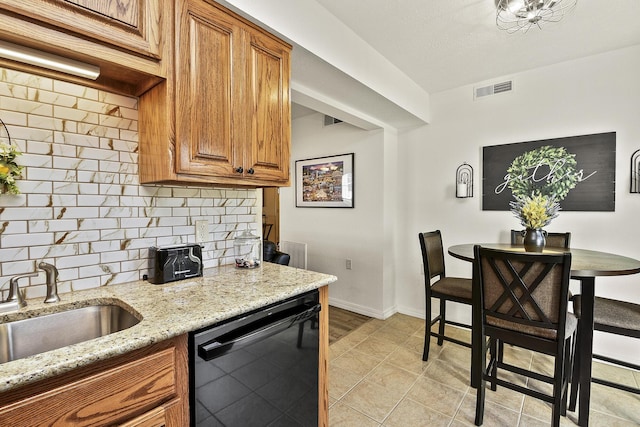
250, 171
239, 169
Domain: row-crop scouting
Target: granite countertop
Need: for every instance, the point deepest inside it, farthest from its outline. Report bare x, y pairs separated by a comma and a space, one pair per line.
166, 310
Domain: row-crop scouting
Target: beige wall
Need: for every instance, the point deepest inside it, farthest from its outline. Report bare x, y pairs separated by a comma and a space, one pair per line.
591, 95
82, 207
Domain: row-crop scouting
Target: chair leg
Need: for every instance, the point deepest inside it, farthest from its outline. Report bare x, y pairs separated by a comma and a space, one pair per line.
427, 327
443, 307
482, 384
575, 375
558, 389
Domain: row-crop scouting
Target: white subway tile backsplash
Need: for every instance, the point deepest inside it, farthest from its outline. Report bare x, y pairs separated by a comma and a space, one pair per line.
99, 269
48, 174
66, 188
13, 214
44, 122
8, 256
98, 154
103, 246
77, 164
20, 240
77, 261
53, 225
117, 256
82, 206
26, 133
22, 105
98, 200
13, 227
54, 251
76, 212
98, 177
31, 187
97, 223
75, 90
53, 98
13, 118
121, 100
76, 236
10, 200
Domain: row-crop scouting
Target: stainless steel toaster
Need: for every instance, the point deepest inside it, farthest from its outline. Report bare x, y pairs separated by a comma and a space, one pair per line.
170, 263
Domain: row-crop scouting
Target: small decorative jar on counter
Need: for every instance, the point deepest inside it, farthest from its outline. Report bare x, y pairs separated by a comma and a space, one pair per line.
248, 250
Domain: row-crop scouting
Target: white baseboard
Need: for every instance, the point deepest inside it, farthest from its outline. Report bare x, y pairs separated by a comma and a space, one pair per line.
360, 309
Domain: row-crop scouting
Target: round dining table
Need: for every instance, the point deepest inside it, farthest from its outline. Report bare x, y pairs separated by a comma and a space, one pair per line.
586, 265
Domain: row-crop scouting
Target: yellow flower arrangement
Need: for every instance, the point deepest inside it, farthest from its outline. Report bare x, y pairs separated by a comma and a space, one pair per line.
535, 211
9, 169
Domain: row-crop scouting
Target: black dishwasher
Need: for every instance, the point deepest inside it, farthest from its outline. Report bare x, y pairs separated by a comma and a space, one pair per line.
257, 369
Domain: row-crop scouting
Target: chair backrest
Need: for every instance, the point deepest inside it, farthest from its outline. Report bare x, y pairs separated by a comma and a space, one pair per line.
432, 254
270, 253
556, 240
523, 292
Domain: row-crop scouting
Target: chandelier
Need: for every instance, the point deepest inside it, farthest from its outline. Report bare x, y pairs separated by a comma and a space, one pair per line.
520, 15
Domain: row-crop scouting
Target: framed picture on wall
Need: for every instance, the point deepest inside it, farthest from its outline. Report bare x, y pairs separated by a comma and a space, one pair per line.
325, 182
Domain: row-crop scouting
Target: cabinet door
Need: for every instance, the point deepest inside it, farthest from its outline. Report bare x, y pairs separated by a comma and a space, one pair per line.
205, 90
269, 108
133, 25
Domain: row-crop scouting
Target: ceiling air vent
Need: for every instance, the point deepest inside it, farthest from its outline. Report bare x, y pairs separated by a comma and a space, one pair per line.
328, 120
480, 92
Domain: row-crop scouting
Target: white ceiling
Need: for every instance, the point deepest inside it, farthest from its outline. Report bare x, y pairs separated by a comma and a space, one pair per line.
374, 63
443, 44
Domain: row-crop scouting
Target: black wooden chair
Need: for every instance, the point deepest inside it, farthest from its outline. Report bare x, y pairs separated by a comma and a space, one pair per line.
614, 317
556, 240
522, 300
445, 288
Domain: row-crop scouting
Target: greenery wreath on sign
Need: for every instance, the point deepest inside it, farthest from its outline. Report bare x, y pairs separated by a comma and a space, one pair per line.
547, 171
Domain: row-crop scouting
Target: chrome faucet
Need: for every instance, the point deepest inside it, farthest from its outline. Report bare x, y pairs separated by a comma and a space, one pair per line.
15, 300
52, 281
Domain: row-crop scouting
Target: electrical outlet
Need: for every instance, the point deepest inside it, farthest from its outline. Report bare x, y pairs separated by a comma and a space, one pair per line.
348, 264
202, 231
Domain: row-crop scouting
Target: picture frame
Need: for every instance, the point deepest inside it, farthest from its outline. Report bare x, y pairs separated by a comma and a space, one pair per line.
325, 182
581, 166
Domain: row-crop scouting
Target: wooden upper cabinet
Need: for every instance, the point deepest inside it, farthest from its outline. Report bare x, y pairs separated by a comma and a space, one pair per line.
269, 109
206, 91
232, 106
132, 25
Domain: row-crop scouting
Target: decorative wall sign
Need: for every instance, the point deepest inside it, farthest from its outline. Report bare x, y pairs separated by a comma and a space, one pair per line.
325, 182
579, 171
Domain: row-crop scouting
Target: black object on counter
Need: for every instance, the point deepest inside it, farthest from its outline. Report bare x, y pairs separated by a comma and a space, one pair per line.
170, 263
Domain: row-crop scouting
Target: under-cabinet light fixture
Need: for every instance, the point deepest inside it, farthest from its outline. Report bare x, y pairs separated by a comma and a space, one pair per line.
50, 61
464, 181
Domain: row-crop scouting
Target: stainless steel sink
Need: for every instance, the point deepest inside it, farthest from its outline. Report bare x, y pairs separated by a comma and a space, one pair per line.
23, 338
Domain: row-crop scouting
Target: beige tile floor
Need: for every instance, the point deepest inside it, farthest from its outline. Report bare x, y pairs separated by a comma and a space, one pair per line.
377, 378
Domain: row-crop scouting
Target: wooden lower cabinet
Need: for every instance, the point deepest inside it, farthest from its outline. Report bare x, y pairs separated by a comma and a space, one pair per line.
147, 387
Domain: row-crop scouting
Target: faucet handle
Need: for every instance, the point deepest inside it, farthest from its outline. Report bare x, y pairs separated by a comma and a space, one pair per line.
52, 281
14, 289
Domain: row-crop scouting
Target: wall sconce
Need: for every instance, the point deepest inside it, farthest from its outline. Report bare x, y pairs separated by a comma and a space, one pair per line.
464, 181
47, 60
635, 172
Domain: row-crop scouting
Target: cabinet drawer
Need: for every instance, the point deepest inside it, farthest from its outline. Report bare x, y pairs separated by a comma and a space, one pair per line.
107, 397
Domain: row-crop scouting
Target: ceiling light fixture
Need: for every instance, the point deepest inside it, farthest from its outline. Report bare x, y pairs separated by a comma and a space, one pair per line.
38, 58
520, 15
